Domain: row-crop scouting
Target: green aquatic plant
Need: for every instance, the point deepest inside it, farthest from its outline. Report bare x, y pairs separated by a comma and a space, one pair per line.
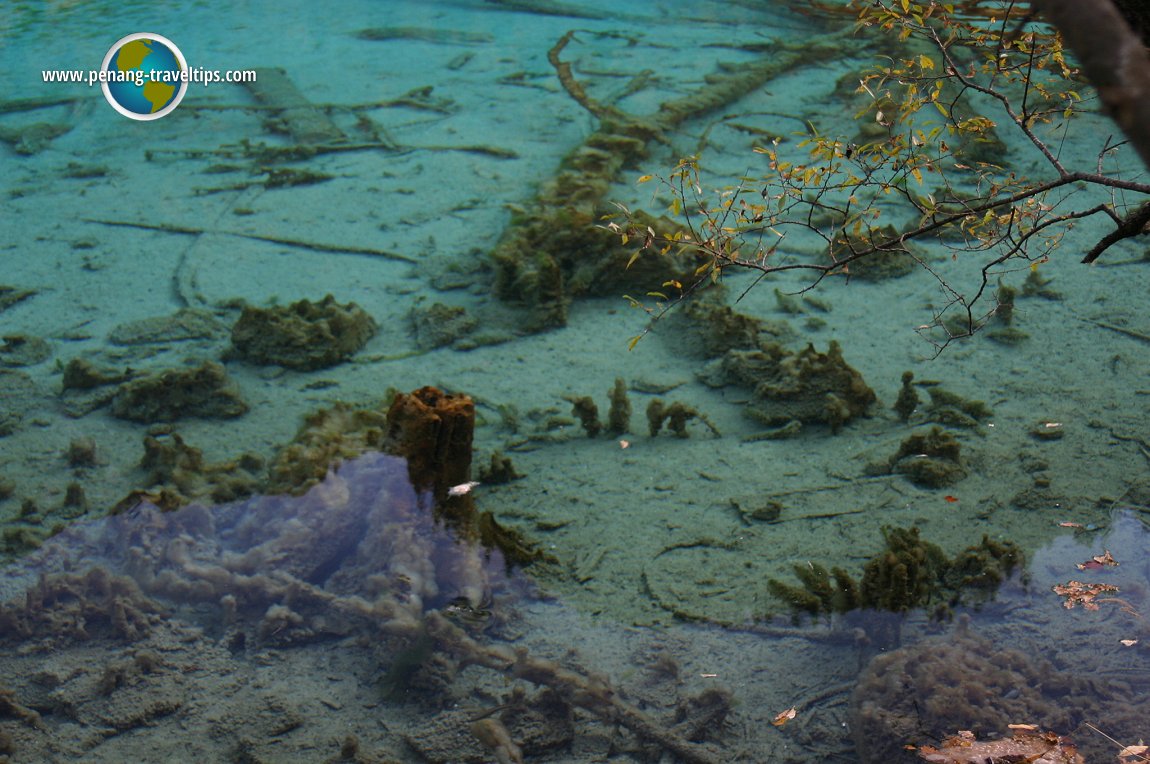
584, 409
675, 415
821, 591
943, 400
205, 391
907, 400
619, 415
1005, 296
715, 327
910, 573
932, 459
305, 335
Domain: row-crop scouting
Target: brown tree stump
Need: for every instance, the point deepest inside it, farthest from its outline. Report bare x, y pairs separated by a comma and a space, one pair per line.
433, 430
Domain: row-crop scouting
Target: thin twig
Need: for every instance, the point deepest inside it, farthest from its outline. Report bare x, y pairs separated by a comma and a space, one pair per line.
338, 249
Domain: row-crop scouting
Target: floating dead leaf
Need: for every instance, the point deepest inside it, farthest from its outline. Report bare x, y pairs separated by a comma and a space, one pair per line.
784, 716
1098, 561
1133, 750
462, 489
1024, 745
1079, 593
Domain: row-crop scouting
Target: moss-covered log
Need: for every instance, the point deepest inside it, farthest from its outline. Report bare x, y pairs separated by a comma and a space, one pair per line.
553, 251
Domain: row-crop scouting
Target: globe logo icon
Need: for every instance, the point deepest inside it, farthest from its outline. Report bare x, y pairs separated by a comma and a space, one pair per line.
144, 76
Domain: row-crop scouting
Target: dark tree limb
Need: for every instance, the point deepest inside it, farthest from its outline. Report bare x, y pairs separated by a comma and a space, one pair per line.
1132, 225
1114, 59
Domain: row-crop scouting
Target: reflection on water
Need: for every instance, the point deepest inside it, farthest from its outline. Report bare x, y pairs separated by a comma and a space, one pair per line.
117, 612
361, 533
360, 558
209, 558
1026, 658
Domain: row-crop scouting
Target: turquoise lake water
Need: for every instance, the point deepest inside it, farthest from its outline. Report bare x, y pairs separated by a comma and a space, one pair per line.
205, 556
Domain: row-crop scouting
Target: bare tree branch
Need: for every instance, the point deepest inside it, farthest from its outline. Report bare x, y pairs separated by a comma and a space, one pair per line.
1133, 225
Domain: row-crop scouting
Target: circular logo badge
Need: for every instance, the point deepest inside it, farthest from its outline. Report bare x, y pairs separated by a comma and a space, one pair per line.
144, 76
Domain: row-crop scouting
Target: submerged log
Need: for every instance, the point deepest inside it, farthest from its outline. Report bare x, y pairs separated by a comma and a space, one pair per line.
432, 430
554, 250
307, 124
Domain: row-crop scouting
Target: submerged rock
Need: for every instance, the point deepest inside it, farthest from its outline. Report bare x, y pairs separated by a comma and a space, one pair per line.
184, 324
930, 459
305, 335
21, 396
807, 386
24, 350
441, 325
82, 374
204, 391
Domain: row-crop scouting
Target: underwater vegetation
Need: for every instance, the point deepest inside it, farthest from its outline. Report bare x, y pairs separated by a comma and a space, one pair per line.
715, 327
893, 263
788, 387
204, 391
555, 249
440, 325
907, 402
674, 415
909, 574
951, 409
305, 335
922, 693
429, 609
932, 459
178, 473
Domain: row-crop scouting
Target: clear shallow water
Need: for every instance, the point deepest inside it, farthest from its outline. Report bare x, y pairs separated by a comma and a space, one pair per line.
661, 562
